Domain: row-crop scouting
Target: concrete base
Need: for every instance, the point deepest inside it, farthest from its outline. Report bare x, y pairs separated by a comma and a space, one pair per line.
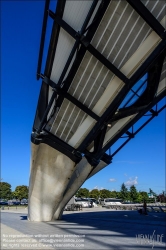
49, 177
54, 179
79, 176
81, 173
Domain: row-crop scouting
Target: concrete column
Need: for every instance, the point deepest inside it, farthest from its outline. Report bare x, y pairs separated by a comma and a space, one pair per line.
83, 168
99, 167
81, 173
49, 176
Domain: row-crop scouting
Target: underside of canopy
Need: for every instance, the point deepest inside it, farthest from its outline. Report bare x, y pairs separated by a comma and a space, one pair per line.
105, 69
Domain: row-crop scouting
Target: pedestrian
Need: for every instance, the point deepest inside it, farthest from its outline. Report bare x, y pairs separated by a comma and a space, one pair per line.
144, 211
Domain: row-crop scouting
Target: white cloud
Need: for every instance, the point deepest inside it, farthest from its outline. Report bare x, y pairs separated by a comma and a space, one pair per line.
131, 181
112, 180
99, 188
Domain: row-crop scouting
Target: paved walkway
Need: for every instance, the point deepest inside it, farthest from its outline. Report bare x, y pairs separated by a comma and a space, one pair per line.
92, 228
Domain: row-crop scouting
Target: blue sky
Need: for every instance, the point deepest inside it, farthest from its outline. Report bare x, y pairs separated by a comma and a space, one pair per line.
141, 162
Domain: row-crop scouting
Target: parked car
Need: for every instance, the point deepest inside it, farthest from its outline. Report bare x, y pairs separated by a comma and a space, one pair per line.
93, 202
24, 202
16, 202
82, 201
78, 203
73, 205
13, 202
3, 202
110, 201
10, 203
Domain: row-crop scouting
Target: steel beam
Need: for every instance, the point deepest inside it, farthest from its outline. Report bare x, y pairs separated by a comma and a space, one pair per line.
85, 42
148, 17
54, 95
47, 3
85, 45
54, 142
80, 54
133, 121
151, 60
107, 63
71, 98
108, 114
98, 141
43, 96
124, 112
154, 74
141, 127
82, 50
74, 34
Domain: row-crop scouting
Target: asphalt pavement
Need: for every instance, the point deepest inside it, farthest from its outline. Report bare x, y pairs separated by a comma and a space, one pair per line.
91, 228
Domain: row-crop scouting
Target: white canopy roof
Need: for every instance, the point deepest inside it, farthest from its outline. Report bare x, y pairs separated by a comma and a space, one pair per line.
101, 51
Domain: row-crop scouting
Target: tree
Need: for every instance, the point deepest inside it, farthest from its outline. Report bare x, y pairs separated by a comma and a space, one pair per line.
95, 193
144, 196
5, 190
117, 194
133, 194
124, 194
139, 198
113, 194
83, 192
161, 197
21, 192
104, 193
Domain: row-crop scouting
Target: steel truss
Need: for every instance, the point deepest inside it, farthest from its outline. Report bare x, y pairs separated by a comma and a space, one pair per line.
152, 65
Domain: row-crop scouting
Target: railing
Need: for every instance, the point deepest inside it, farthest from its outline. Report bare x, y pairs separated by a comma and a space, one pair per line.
150, 207
42, 41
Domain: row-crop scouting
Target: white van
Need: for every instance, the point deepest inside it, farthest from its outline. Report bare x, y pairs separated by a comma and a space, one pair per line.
82, 201
110, 201
76, 203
